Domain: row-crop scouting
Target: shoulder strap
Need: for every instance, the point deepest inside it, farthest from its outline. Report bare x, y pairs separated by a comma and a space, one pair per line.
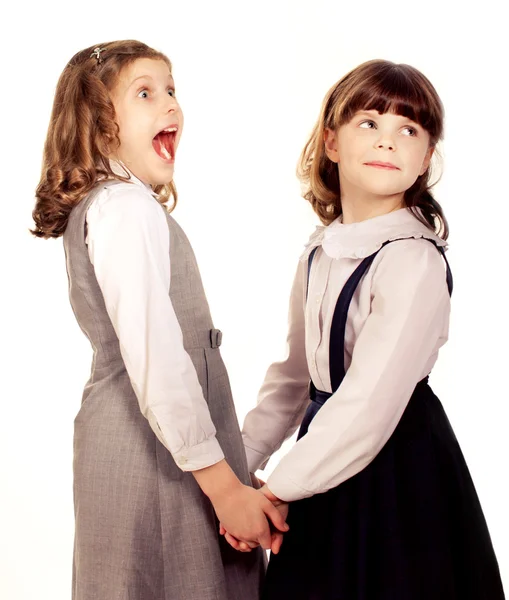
310, 262
338, 325
448, 274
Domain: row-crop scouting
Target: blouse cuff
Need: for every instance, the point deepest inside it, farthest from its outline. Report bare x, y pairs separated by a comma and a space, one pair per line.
255, 460
286, 489
204, 454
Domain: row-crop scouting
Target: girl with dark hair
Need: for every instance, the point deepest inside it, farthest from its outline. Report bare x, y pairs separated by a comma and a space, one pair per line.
381, 503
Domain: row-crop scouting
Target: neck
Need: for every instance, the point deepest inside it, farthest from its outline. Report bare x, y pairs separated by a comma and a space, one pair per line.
359, 206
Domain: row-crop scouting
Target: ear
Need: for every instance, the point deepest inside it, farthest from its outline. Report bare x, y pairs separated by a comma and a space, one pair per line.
331, 145
427, 160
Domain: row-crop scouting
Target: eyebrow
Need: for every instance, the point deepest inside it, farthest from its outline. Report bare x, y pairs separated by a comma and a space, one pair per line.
170, 79
370, 114
367, 112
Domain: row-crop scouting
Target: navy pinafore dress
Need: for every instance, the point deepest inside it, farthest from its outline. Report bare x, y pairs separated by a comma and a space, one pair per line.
409, 526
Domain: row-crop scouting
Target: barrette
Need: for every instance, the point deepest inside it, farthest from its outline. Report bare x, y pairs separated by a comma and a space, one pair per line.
97, 53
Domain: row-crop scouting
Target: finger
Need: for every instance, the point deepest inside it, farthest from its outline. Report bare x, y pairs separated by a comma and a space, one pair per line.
265, 537
244, 547
234, 542
277, 540
275, 516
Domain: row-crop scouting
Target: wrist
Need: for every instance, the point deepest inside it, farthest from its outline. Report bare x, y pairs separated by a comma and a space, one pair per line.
270, 496
217, 481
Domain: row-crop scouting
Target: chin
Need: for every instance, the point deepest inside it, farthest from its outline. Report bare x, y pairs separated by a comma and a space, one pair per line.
161, 181
384, 191
162, 178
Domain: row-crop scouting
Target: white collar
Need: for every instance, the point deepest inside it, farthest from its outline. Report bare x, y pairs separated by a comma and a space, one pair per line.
121, 170
358, 240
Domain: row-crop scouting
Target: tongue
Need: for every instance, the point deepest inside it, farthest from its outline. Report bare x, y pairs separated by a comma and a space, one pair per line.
163, 145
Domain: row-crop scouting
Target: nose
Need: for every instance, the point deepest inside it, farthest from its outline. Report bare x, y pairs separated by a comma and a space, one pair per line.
385, 142
171, 105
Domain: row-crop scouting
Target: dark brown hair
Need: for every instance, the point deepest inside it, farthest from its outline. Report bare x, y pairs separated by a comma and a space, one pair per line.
82, 133
385, 87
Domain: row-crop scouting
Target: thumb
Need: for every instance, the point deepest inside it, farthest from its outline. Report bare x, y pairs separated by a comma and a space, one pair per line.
265, 538
275, 516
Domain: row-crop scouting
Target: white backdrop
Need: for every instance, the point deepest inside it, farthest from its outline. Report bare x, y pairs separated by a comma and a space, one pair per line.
250, 78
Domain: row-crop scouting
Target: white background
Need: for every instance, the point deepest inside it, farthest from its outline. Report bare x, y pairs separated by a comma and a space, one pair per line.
250, 78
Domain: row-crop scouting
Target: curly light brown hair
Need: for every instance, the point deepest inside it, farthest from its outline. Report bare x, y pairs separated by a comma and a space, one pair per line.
83, 133
385, 87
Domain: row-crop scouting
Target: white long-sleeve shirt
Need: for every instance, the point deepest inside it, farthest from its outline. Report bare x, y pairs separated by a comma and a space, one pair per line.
129, 246
397, 321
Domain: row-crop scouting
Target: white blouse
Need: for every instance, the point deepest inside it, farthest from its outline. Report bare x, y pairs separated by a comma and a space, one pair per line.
397, 321
129, 246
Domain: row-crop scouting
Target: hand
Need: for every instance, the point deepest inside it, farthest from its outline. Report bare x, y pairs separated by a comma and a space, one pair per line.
257, 483
282, 507
242, 510
243, 514
276, 534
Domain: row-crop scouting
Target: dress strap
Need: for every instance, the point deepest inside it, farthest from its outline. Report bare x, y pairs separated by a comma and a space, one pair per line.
448, 272
310, 262
338, 326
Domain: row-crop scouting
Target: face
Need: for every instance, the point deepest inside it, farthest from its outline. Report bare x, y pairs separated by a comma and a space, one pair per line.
150, 120
379, 155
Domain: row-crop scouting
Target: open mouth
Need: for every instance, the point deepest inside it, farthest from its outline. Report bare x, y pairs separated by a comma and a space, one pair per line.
164, 143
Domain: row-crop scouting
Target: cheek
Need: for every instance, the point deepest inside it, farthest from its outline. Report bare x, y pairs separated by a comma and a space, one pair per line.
415, 155
130, 134
130, 122
348, 149
359, 147
123, 127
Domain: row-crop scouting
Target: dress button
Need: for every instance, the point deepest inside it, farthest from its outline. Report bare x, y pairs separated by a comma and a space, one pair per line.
182, 461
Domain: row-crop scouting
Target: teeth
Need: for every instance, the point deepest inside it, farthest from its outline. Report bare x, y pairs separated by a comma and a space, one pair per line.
165, 152
170, 129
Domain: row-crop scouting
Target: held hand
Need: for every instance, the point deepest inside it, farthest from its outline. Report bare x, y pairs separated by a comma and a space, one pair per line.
276, 533
282, 507
242, 510
277, 536
243, 514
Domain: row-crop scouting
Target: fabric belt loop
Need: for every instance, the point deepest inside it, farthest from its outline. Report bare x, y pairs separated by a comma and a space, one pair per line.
216, 337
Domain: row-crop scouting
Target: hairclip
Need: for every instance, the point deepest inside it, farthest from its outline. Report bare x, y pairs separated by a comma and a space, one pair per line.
97, 53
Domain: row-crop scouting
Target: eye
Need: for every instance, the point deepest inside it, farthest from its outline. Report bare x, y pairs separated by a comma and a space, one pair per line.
412, 132
171, 92
367, 124
143, 94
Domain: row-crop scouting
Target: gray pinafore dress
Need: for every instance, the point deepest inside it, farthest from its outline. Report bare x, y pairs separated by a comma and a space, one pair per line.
144, 529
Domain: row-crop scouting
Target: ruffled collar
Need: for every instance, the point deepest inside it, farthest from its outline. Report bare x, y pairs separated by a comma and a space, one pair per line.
358, 240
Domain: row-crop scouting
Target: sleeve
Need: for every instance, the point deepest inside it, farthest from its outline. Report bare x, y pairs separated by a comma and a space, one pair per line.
128, 244
283, 397
410, 301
